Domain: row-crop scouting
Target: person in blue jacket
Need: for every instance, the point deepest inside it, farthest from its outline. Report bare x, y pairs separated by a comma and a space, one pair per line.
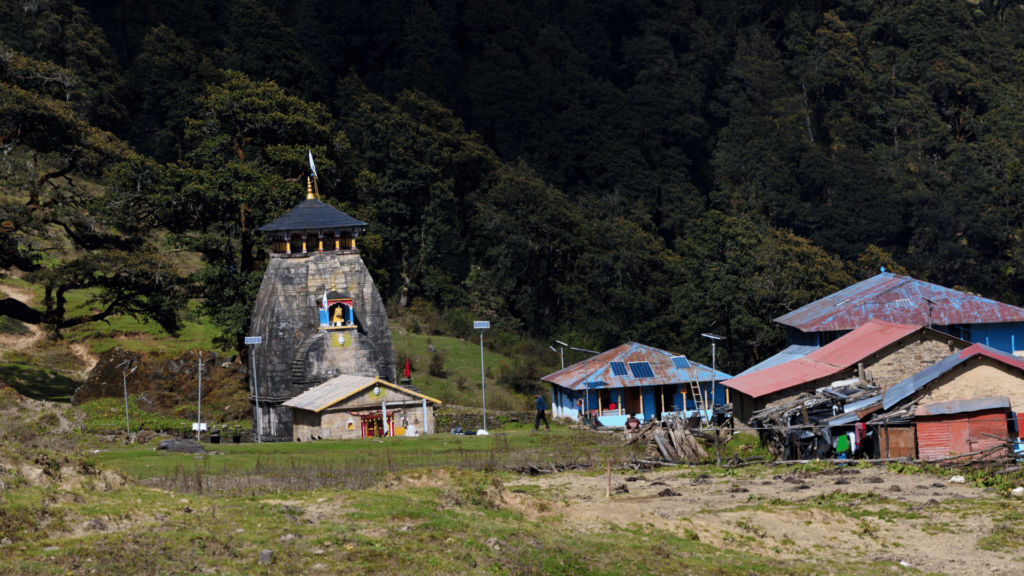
541, 413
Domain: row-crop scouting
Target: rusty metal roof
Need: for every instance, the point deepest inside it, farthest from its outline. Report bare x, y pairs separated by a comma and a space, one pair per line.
961, 406
898, 299
836, 356
341, 387
906, 388
598, 370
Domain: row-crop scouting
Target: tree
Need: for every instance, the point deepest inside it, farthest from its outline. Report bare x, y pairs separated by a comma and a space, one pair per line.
45, 209
742, 274
244, 166
168, 76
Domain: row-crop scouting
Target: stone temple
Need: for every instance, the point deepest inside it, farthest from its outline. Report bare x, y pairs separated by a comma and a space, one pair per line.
318, 312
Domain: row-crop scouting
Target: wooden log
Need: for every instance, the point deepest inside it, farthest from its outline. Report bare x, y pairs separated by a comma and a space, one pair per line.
664, 447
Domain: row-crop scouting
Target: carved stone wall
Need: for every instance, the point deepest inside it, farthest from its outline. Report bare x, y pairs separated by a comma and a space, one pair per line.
296, 354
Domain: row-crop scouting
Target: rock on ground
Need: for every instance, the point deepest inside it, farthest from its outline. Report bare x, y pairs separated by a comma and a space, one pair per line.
181, 445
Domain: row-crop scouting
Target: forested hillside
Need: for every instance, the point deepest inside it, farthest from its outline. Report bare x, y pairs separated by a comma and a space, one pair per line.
599, 170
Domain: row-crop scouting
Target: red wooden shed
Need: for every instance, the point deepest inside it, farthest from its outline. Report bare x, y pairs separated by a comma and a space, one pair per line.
945, 429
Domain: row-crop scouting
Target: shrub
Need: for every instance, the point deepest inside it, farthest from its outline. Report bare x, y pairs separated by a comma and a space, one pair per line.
400, 358
437, 365
520, 376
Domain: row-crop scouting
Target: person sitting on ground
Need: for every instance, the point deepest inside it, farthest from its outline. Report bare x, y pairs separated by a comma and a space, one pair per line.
632, 423
542, 408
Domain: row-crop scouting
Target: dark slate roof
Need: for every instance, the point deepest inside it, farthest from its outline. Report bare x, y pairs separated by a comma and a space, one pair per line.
906, 388
312, 215
898, 299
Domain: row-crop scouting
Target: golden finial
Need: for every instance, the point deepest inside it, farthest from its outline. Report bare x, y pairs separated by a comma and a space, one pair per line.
309, 188
332, 283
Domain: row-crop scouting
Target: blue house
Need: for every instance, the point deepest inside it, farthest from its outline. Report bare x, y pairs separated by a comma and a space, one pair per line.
905, 300
634, 379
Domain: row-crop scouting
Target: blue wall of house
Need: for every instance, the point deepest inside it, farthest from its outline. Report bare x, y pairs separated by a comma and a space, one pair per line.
1005, 336
563, 402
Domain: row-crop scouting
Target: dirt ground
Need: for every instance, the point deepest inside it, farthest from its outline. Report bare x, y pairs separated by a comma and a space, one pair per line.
35, 334
736, 512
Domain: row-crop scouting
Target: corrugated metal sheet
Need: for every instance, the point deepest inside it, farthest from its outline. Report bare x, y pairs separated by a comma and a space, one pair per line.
944, 435
898, 299
906, 388
790, 353
598, 370
959, 406
341, 387
830, 359
861, 404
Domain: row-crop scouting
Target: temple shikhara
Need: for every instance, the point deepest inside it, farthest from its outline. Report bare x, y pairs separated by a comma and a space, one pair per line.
318, 312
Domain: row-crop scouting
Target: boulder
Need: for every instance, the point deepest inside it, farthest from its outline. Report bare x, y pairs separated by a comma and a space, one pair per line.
181, 445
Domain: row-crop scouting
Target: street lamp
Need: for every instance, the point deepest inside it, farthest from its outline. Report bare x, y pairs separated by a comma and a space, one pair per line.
586, 387
482, 325
252, 342
199, 410
124, 380
714, 370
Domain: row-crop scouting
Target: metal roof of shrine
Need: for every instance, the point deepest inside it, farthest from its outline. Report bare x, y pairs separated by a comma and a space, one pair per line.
342, 387
312, 214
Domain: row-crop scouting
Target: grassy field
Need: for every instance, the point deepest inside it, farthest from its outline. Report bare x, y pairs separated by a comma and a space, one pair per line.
461, 383
373, 456
124, 331
38, 383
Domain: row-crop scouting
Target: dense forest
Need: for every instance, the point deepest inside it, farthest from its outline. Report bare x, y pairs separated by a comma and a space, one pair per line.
597, 171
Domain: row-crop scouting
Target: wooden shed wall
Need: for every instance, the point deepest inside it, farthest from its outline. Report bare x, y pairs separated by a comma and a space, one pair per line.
897, 442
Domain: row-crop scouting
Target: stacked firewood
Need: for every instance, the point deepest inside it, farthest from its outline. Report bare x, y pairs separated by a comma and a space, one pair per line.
671, 442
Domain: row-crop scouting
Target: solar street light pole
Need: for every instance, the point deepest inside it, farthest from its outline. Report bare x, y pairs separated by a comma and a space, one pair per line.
199, 409
252, 341
481, 326
714, 370
586, 388
124, 380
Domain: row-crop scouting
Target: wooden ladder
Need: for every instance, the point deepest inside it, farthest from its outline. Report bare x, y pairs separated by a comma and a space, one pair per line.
698, 401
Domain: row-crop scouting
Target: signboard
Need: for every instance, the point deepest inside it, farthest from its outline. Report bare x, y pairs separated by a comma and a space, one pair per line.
253, 340
481, 325
195, 426
593, 384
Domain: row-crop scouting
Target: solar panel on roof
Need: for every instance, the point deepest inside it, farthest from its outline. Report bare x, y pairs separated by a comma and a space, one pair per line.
641, 369
619, 368
680, 362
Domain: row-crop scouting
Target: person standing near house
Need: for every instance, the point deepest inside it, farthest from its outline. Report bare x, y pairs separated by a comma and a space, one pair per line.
541, 413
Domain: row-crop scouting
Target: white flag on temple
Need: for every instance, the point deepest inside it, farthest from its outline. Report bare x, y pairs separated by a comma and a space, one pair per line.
312, 166
325, 300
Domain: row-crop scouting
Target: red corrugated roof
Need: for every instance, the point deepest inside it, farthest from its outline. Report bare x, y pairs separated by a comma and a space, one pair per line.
841, 354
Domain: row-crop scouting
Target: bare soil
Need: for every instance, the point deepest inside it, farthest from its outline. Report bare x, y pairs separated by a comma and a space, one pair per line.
735, 512
20, 341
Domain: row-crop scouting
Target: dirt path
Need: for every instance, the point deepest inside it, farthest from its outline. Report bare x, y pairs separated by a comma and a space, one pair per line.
927, 527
